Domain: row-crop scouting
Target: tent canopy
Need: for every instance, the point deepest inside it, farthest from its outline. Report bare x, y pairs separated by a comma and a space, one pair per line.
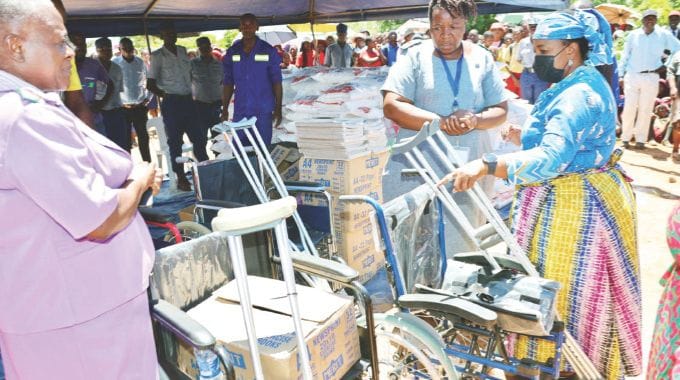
129, 17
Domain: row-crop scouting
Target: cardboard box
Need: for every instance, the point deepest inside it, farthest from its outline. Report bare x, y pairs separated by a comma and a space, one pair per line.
187, 214
328, 321
346, 215
356, 231
291, 173
355, 176
279, 154
361, 250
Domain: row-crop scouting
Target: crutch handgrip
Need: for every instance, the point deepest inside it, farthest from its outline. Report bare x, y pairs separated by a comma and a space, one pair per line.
354, 198
426, 131
243, 220
228, 125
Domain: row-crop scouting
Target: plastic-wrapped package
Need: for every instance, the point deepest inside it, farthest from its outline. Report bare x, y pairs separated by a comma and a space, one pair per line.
415, 220
524, 304
317, 93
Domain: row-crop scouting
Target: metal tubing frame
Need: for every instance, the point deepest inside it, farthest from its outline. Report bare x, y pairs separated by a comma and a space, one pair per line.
258, 144
270, 167
289, 279
241, 277
241, 156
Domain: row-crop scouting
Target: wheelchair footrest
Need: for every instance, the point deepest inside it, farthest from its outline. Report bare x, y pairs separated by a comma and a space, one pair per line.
450, 305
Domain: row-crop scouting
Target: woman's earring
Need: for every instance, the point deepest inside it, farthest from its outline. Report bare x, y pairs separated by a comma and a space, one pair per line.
570, 62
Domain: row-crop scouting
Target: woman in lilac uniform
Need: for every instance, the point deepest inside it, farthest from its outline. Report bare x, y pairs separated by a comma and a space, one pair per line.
75, 255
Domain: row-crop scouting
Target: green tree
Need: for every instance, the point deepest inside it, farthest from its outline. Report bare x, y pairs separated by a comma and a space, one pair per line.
389, 25
620, 2
481, 23
140, 42
227, 40
664, 7
186, 40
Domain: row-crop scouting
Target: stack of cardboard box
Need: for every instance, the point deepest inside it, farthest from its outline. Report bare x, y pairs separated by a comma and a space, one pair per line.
356, 232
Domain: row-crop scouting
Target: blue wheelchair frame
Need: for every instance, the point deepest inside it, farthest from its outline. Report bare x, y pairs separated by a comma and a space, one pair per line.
490, 359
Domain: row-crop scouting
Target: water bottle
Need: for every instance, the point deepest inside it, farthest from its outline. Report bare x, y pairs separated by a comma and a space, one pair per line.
208, 365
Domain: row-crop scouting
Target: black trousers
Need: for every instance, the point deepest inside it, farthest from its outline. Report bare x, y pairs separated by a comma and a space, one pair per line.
136, 116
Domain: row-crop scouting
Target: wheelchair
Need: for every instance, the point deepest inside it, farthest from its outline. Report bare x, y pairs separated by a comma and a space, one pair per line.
396, 345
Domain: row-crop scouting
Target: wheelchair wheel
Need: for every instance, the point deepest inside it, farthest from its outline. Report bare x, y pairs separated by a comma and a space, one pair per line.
189, 230
403, 356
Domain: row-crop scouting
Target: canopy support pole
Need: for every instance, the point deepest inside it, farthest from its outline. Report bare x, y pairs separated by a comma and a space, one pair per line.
146, 35
150, 8
312, 5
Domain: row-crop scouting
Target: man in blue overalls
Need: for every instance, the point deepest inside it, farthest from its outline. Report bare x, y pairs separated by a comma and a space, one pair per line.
252, 71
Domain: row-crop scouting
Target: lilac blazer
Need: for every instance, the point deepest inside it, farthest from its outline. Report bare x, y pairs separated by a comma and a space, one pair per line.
59, 181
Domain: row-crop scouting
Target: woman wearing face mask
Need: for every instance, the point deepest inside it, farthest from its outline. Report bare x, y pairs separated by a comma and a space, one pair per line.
451, 80
574, 210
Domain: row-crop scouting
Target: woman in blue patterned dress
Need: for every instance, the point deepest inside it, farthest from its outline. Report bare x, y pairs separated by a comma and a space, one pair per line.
574, 211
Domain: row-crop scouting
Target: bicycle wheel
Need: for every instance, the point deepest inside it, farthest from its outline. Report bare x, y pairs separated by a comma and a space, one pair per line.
189, 230
403, 356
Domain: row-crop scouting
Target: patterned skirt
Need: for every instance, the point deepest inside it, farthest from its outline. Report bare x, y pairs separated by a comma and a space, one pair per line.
664, 356
580, 230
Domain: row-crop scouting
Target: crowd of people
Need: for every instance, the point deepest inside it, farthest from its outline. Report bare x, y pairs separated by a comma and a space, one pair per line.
71, 280
362, 50
644, 76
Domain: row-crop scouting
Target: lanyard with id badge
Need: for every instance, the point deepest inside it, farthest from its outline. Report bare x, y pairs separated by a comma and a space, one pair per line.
462, 152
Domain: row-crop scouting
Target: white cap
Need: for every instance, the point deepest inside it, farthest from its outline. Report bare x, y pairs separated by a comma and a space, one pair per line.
530, 20
650, 12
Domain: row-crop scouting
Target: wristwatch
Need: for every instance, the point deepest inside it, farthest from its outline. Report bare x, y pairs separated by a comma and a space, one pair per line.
490, 160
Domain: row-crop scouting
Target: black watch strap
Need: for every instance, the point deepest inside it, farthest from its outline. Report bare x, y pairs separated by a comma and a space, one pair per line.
491, 168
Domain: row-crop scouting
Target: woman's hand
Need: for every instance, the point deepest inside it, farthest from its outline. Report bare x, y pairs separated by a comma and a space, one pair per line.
157, 180
513, 134
459, 123
465, 176
145, 174
468, 174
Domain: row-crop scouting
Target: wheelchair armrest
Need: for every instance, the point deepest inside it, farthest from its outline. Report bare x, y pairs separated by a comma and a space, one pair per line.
323, 268
214, 204
302, 186
181, 325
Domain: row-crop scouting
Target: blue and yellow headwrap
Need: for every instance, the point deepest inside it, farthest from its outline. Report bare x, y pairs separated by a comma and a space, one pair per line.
569, 25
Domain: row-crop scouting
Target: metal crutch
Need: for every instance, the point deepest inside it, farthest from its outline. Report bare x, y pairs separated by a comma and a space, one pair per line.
409, 147
253, 135
240, 221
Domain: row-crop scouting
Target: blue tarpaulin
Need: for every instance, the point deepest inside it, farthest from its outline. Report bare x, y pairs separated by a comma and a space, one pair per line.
97, 18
